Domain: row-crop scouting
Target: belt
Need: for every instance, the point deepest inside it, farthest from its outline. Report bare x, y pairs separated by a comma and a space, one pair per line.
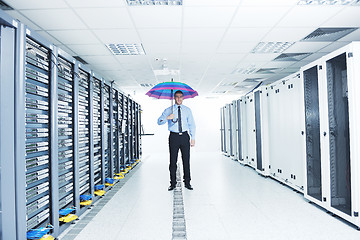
175, 133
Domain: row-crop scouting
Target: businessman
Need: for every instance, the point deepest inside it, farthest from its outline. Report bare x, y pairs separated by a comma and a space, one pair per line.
182, 135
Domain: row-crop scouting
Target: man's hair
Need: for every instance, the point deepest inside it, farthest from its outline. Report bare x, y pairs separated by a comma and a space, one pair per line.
178, 91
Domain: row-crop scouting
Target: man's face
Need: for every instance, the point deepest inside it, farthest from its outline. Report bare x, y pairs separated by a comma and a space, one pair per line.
179, 98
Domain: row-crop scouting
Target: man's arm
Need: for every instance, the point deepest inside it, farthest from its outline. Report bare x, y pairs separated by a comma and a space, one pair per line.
192, 128
164, 117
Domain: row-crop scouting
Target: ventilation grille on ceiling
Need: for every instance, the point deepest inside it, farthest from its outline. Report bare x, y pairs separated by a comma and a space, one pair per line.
271, 47
249, 70
4, 6
327, 34
329, 2
126, 49
154, 2
80, 59
147, 85
291, 57
268, 70
252, 80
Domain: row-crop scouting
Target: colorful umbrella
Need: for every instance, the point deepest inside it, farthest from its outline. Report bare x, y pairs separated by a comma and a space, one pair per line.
165, 90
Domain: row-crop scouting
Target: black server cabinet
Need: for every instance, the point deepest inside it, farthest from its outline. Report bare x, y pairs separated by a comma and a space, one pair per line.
312, 130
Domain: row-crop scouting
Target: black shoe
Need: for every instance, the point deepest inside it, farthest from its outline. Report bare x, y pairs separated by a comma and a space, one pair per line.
188, 186
171, 188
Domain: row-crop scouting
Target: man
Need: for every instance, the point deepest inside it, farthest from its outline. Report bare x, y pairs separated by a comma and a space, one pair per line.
180, 121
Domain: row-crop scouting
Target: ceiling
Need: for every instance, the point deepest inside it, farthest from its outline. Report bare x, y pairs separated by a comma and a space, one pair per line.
211, 42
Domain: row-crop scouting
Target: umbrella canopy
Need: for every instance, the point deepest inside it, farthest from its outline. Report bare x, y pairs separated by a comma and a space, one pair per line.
165, 90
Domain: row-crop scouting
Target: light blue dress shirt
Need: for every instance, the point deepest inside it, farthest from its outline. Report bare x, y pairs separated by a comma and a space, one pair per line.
187, 120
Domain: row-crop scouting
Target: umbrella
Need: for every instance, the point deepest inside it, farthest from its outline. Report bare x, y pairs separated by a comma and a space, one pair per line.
165, 90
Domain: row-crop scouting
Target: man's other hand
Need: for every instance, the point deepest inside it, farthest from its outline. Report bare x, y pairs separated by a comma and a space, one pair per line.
192, 143
171, 116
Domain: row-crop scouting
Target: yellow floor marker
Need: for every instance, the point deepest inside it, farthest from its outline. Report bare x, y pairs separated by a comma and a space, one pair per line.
47, 237
109, 184
86, 203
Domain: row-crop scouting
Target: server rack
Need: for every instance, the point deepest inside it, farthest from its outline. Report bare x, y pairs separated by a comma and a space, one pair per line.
239, 130
243, 126
107, 131
233, 116
250, 131
222, 130
7, 120
227, 129
258, 131
97, 131
115, 127
127, 132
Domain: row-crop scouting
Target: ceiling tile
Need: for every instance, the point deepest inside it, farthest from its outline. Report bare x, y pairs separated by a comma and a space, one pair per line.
308, 16
333, 46
157, 17
65, 19
268, 3
349, 17
211, 3
36, 4
90, 49
163, 35
287, 34
49, 37
198, 47
239, 47
117, 36
75, 37
99, 60
277, 64
309, 47
161, 48
208, 16
105, 17
202, 34
95, 3
249, 16
245, 34
67, 50
17, 15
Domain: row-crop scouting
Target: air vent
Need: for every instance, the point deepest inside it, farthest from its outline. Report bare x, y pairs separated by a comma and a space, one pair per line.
147, 85
329, 2
267, 70
252, 80
291, 57
328, 34
229, 84
4, 6
80, 59
249, 70
271, 47
154, 2
126, 49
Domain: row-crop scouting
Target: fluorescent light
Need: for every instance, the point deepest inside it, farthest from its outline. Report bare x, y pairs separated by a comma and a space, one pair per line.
329, 2
154, 2
271, 47
126, 49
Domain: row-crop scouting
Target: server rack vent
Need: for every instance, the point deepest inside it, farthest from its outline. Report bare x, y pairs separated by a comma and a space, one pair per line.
37, 110
312, 127
339, 136
65, 132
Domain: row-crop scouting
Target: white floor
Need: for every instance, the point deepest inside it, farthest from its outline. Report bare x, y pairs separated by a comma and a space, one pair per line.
229, 201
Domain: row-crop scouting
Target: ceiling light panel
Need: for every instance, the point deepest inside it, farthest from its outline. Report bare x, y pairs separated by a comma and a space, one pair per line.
272, 47
291, 57
126, 49
327, 34
329, 2
154, 2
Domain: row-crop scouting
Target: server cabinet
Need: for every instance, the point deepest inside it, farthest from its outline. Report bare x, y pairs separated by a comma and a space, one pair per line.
227, 129
243, 126
7, 132
222, 130
338, 85
233, 131
115, 138
107, 130
239, 130
126, 132
250, 131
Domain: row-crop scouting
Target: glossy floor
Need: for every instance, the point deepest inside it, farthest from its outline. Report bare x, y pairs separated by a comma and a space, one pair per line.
229, 201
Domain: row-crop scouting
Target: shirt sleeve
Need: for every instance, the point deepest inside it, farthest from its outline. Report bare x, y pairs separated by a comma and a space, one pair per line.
162, 119
191, 124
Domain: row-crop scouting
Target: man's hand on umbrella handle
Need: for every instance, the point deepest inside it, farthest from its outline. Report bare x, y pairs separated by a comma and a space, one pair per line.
171, 116
192, 142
